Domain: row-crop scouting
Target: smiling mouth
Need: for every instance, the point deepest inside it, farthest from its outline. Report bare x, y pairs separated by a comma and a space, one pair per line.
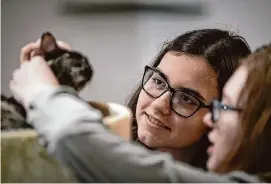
156, 122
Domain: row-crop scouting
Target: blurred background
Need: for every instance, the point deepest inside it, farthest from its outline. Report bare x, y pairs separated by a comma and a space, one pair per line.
121, 36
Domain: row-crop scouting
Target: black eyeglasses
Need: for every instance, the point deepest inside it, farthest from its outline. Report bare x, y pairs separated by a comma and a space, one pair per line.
217, 106
182, 102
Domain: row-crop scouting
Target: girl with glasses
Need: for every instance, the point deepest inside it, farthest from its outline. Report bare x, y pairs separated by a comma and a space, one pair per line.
176, 89
241, 122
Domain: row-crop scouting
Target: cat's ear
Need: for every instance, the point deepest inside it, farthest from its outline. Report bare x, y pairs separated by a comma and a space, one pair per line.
48, 43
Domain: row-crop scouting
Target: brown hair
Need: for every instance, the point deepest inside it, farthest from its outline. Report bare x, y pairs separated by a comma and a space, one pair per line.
254, 153
221, 49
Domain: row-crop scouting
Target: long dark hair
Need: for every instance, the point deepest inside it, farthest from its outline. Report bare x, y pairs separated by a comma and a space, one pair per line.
221, 49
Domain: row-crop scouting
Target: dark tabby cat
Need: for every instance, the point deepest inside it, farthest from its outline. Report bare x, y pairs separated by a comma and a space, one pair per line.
71, 69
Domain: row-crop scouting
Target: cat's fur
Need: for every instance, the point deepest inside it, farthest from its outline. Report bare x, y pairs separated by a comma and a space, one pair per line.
71, 69
12, 114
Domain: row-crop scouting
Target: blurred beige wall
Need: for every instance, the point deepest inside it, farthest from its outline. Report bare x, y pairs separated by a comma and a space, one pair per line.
119, 45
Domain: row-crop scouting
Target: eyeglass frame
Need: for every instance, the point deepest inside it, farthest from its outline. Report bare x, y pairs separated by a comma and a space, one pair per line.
218, 105
172, 91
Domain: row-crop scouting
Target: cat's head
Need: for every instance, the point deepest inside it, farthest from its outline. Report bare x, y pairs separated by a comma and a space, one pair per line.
70, 67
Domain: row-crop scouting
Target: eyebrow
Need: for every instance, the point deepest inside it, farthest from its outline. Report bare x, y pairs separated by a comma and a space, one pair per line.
193, 92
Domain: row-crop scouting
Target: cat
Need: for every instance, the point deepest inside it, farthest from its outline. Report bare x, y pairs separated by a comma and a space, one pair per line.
71, 68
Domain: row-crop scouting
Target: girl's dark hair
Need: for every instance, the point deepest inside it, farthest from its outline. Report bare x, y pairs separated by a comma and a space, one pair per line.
221, 49
254, 153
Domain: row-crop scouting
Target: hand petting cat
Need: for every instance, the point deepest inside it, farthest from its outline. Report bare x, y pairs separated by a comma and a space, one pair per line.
22, 81
31, 78
49, 63
46, 63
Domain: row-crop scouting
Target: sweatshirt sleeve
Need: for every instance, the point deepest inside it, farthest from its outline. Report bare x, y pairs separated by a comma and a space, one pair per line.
73, 132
